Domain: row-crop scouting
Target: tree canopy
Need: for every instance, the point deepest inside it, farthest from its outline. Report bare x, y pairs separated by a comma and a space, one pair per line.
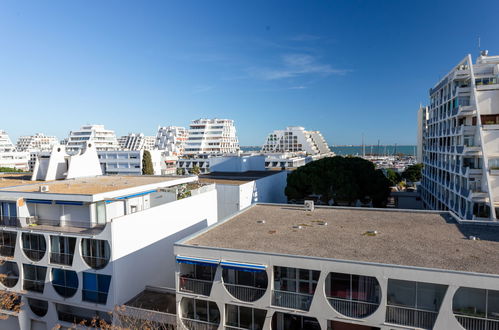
413, 173
147, 168
341, 179
393, 177
9, 169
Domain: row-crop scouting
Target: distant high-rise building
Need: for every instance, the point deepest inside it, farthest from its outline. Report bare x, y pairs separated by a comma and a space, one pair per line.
212, 136
296, 139
171, 139
461, 162
9, 156
422, 126
136, 142
104, 139
37, 142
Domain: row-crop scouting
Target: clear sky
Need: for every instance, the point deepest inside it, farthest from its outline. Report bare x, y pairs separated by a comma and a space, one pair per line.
345, 68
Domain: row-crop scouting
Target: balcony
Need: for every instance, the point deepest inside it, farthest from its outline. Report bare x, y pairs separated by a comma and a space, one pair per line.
292, 300
469, 322
69, 226
199, 325
10, 221
357, 309
411, 317
197, 286
244, 292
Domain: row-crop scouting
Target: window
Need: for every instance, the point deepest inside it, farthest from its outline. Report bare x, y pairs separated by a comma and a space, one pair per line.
294, 287
81, 316
7, 243
96, 253
96, 287
38, 307
8, 214
34, 278
245, 285
10, 273
62, 249
281, 321
353, 295
65, 282
34, 246
244, 317
199, 311
476, 308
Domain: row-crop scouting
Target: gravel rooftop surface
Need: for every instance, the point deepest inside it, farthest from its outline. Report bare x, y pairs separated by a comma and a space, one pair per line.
408, 238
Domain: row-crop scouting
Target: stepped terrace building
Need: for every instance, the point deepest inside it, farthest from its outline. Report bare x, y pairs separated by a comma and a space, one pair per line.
461, 135
74, 249
171, 139
284, 267
9, 156
134, 142
211, 136
296, 139
103, 139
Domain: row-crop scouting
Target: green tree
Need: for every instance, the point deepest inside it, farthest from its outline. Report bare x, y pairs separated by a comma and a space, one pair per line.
9, 169
147, 168
393, 176
196, 170
341, 179
413, 173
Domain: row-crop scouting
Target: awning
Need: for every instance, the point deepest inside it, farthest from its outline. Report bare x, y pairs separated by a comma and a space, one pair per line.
68, 203
241, 266
38, 201
198, 261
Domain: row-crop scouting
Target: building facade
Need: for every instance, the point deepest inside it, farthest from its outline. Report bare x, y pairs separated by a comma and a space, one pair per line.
37, 142
461, 161
9, 156
211, 136
171, 139
296, 139
75, 249
133, 142
421, 133
104, 139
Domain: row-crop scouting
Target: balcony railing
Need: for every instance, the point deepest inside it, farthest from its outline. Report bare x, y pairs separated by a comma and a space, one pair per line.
245, 292
129, 314
353, 308
61, 258
96, 262
7, 251
199, 325
411, 317
292, 300
197, 286
10, 280
477, 323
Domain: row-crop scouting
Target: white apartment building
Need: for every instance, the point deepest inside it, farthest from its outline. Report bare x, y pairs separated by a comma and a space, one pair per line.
104, 139
171, 139
134, 142
460, 150
283, 267
129, 162
9, 156
296, 139
211, 136
75, 249
37, 142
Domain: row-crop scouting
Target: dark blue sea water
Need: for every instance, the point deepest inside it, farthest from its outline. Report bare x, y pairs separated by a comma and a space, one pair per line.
409, 150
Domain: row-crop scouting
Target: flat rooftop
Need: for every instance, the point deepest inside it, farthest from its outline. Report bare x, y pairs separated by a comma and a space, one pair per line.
421, 239
90, 185
155, 300
235, 178
15, 179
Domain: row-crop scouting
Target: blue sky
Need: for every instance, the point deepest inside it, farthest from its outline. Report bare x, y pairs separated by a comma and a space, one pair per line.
345, 68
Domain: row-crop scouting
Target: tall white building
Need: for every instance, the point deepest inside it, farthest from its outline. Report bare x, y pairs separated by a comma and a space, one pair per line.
460, 152
212, 136
136, 142
422, 126
9, 156
37, 142
296, 139
104, 139
171, 139
75, 249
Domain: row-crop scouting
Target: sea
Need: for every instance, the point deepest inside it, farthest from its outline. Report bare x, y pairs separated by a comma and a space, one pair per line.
406, 150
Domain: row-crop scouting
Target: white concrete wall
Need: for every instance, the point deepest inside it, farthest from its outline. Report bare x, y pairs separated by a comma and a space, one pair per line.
270, 189
488, 101
142, 243
227, 200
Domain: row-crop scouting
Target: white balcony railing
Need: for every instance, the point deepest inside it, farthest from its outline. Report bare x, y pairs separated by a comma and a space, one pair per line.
245, 292
292, 300
192, 285
477, 323
411, 317
352, 308
198, 324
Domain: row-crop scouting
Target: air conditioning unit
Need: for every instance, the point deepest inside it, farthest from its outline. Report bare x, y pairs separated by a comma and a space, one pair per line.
309, 205
44, 188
